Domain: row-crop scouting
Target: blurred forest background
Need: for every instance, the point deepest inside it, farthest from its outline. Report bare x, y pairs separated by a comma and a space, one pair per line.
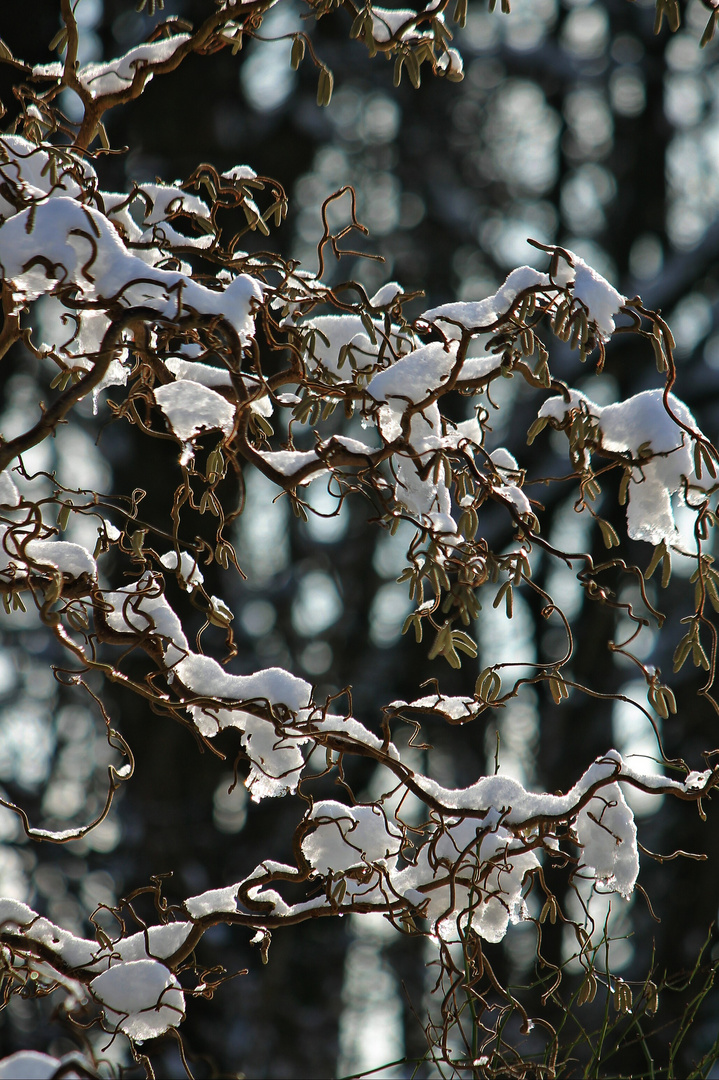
574, 124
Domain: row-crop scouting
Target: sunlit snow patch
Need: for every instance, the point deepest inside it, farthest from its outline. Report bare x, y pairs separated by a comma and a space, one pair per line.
141, 998
643, 421
605, 828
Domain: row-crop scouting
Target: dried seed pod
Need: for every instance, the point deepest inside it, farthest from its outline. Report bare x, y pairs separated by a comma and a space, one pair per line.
539, 425
588, 989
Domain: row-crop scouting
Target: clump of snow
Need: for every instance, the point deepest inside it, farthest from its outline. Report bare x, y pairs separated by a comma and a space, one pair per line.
169, 199
240, 172
141, 606
189, 571
62, 241
478, 367
141, 998
349, 330
116, 75
386, 22
74, 951
33, 1065
157, 942
414, 376
290, 462
276, 759
426, 498
26, 174
386, 294
207, 375
643, 421
348, 836
199, 373
164, 234
454, 708
481, 314
509, 473
70, 559
205, 677
514, 495
601, 299
606, 831
213, 901
451, 63
352, 730
695, 781
191, 408
353, 446
472, 878
503, 798
466, 430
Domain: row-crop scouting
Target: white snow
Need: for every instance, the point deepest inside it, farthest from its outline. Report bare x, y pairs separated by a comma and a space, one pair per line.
480, 314
141, 998
71, 559
514, 495
386, 22
192, 408
354, 446
386, 294
414, 376
141, 606
477, 367
290, 462
9, 494
240, 172
426, 499
199, 373
456, 708
163, 234
33, 1065
116, 75
212, 901
351, 729
207, 375
501, 797
25, 170
116, 206
86, 250
451, 62
189, 570
643, 421
479, 885
169, 199
205, 677
341, 330
349, 836
157, 942
388, 422
599, 297
605, 828
276, 759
